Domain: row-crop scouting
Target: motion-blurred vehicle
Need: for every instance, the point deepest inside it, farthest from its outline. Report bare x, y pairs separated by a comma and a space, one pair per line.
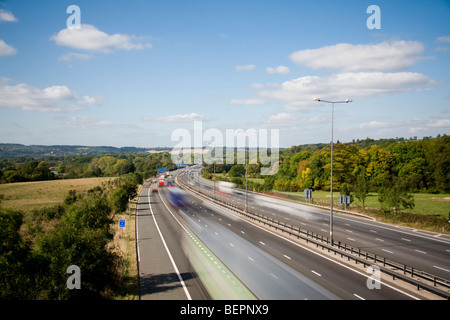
226, 188
154, 186
161, 181
177, 197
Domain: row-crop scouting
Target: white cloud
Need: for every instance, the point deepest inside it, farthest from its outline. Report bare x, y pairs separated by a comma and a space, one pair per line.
300, 92
247, 67
51, 99
374, 125
81, 123
89, 38
74, 55
441, 123
179, 118
248, 102
279, 70
6, 16
445, 39
385, 56
281, 117
6, 50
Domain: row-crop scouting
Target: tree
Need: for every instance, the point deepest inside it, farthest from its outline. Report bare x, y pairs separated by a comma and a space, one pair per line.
119, 199
237, 170
395, 197
361, 188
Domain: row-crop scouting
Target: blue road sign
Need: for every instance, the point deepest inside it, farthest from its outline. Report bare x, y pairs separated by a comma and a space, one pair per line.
122, 223
162, 170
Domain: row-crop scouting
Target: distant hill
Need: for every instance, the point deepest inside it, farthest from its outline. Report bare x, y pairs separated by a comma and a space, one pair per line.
11, 150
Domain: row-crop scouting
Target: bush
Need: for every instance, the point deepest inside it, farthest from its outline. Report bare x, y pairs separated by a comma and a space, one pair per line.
119, 199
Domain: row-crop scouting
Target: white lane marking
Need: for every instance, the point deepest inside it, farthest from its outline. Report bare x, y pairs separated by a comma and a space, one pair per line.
387, 250
441, 268
359, 297
316, 273
168, 251
420, 251
287, 257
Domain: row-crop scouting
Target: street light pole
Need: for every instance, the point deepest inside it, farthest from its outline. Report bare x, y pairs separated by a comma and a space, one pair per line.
331, 176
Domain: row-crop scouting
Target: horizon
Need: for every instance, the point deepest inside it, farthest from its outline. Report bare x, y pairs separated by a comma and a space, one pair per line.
354, 141
134, 73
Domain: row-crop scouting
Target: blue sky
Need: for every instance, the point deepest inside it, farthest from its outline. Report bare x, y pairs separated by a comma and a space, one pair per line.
138, 70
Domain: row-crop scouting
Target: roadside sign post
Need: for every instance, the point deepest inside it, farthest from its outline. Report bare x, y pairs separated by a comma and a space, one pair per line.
122, 224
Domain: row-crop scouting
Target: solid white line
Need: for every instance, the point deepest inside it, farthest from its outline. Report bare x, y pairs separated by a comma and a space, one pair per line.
137, 233
168, 252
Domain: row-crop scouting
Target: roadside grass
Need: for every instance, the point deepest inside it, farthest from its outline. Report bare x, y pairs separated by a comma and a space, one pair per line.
431, 211
125, 243
426, 204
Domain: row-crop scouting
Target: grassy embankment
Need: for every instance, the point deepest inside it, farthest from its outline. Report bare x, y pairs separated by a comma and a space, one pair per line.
26, 196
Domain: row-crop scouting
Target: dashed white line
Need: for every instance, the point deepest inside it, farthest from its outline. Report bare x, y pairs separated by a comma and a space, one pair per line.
316, 273
287, 257
387, 250
262, 243
441, 268
420, 251
359, 297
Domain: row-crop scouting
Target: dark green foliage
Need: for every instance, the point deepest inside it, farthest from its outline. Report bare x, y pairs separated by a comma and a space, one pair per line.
36, 251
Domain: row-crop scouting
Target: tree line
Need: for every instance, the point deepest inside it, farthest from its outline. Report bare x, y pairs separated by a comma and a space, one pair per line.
23, 169
391, 167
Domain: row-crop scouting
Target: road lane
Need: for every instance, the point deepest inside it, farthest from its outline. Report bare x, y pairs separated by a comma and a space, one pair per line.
164, 269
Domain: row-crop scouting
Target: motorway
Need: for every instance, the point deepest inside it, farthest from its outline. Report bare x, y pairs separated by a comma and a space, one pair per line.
204, 251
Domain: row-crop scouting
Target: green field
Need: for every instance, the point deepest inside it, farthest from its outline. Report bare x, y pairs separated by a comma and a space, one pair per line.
39, 194
425, 203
